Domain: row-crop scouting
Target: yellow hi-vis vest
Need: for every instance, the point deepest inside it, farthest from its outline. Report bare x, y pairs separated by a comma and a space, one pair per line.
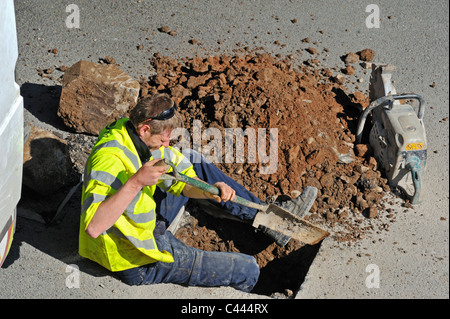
129, 242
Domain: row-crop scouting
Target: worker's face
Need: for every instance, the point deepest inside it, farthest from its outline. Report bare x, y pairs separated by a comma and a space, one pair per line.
155, 141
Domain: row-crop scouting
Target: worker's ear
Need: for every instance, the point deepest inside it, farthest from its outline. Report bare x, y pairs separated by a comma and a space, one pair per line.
143, 129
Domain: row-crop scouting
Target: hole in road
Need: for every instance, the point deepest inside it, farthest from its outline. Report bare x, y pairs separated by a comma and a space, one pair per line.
282, 269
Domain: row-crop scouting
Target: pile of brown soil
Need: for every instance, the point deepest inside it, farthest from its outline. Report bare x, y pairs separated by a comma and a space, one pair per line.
316, 121
315, 118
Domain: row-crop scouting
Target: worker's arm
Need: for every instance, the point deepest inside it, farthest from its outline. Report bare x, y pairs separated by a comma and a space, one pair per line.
110, 210
226, 192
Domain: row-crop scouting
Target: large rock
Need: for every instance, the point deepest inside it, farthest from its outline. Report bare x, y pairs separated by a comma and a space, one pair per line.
46, 162
93, 95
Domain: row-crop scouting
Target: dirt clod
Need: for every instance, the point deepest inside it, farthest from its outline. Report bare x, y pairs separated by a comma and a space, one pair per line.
367, 55
351, 58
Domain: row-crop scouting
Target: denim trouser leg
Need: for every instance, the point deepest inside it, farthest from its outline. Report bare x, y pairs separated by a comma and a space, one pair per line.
194, 267
168, 205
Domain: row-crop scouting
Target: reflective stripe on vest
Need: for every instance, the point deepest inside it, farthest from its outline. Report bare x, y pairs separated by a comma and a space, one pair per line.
133, 157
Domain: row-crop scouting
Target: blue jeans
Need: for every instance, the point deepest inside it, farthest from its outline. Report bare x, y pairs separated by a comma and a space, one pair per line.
192, 266
195, 267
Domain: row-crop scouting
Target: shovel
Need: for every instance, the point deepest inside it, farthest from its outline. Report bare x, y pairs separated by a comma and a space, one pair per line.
270, 216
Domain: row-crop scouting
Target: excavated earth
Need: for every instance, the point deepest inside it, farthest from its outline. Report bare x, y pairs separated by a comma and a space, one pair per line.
316, 120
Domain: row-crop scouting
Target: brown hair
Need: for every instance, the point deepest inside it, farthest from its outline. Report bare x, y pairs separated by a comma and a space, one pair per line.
153, 105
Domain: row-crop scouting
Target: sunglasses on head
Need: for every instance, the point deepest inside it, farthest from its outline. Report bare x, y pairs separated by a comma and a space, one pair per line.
165, 115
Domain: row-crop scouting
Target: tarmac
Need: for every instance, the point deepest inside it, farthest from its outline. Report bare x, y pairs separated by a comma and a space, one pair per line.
409, 261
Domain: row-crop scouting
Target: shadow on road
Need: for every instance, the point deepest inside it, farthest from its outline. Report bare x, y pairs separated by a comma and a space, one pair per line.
58, 239
43, 101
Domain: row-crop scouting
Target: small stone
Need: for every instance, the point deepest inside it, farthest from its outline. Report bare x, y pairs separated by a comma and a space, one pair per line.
351, 58
361, 150
372, 212
311, 50
339, 79
164, 29
367, 55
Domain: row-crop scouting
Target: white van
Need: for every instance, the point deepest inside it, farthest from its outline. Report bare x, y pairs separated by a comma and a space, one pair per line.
11, 128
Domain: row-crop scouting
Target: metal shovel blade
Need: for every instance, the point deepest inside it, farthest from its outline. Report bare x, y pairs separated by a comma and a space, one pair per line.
290, 225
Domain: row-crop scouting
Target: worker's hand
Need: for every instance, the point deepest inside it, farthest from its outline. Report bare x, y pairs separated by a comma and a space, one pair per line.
226, 193
150, 172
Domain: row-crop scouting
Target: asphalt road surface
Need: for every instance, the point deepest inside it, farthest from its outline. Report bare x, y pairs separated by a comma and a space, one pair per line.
411, 260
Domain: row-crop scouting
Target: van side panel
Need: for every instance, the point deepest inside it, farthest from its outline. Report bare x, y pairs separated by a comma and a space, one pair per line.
11, 128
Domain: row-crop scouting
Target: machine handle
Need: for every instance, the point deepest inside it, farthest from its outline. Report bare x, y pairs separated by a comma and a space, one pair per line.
362, 120
421, 110
387, 100
415, 174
